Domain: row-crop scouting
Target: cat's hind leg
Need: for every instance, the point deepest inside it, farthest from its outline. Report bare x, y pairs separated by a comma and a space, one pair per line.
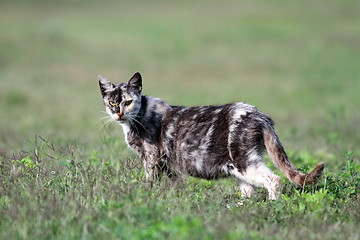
258, 175
247, 190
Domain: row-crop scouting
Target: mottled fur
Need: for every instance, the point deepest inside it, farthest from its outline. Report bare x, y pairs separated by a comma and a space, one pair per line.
205, 141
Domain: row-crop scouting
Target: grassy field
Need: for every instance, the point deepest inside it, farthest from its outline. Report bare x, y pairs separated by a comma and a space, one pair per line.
63, 175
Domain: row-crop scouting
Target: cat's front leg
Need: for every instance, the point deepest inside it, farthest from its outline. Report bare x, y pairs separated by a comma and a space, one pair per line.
152, 172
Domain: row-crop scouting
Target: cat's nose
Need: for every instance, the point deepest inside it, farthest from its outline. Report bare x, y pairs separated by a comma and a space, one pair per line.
120, 114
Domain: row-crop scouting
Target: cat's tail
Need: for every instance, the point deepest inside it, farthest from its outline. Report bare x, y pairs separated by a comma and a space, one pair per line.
280, 159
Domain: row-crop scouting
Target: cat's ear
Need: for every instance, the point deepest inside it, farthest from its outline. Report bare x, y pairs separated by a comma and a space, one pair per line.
135, 82
105, 85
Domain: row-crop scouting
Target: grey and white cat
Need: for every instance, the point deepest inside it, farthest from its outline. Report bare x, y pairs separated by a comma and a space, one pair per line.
208, 142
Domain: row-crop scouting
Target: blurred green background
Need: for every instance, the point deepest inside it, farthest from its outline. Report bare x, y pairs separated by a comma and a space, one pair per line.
298, 61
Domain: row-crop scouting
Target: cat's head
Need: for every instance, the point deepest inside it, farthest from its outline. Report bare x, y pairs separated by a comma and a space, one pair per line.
122, 101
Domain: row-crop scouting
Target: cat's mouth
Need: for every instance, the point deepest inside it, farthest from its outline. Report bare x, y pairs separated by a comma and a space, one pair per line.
119, 117
121, 120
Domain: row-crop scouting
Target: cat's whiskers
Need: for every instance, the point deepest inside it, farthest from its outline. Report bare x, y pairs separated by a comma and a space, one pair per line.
103, 118
108, 119
133, 118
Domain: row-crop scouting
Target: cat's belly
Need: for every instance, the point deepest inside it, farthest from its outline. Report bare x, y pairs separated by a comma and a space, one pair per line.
199, 162
196, 155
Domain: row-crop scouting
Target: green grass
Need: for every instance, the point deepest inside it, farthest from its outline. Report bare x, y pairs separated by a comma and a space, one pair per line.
64, 176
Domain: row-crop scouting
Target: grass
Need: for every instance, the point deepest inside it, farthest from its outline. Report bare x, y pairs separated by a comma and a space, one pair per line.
64, 176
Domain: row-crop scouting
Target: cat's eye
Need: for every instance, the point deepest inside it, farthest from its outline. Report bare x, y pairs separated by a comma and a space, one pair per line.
113, 104
127, 103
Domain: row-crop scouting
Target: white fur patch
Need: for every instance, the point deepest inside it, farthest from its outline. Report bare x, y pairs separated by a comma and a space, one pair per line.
246, 189
126, 129
236, 114
199, 165
256, 175
261, 176
197, 156
170, 131
254, 156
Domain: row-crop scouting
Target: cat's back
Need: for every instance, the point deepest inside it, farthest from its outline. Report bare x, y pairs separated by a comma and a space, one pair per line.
193, 117
192, 126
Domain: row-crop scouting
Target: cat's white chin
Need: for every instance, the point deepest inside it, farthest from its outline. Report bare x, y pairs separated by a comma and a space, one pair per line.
121, 120
118, 119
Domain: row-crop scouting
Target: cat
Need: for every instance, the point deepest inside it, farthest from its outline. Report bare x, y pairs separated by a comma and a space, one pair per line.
207, 142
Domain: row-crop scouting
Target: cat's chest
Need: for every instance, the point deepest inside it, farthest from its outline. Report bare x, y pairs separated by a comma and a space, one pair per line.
126, 129
133, 140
